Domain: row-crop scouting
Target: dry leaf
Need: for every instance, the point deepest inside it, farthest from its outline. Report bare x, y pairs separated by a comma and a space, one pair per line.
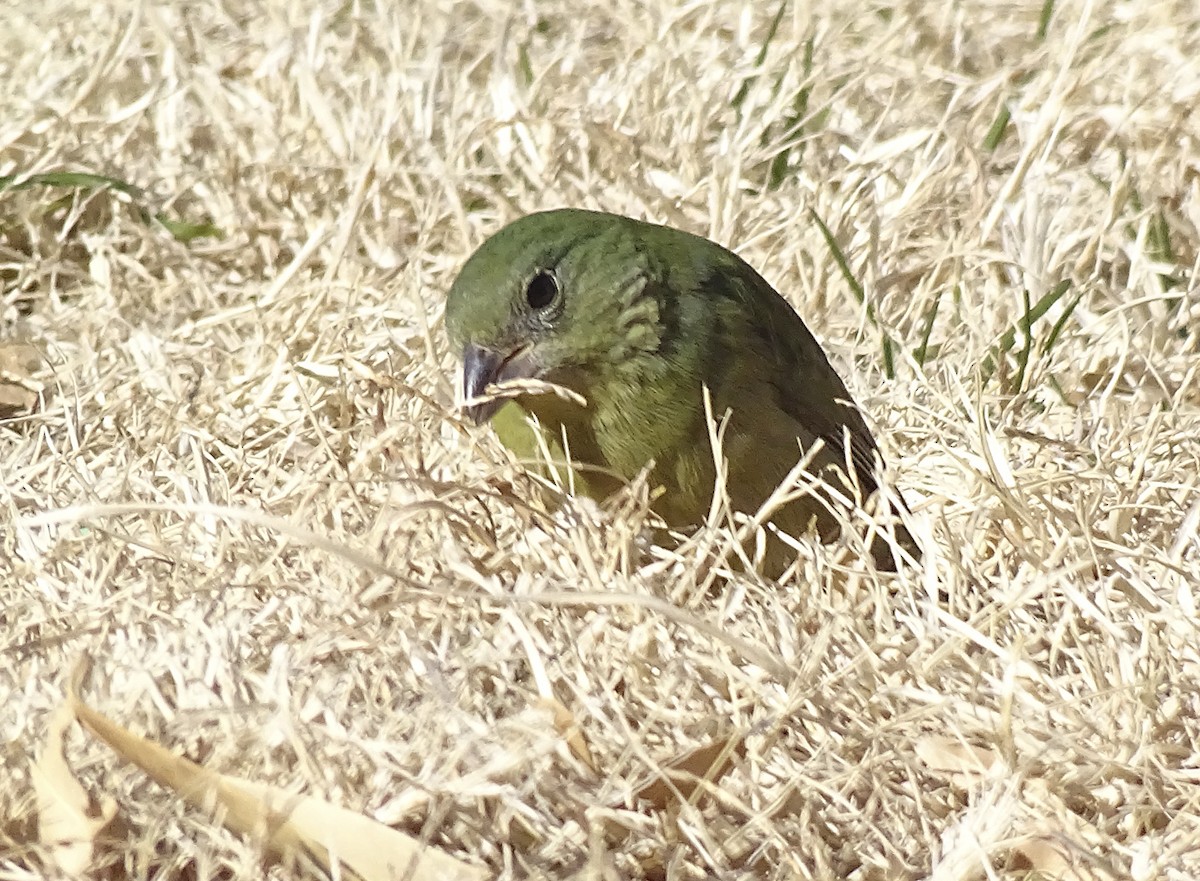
684, 774
68, 819
289, 825
1053, 859
18, 389
959, 763
318, 370
567, 725
1058, 843
1018, 823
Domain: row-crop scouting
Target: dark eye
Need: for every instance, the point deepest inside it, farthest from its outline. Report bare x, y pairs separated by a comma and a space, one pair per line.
542, 290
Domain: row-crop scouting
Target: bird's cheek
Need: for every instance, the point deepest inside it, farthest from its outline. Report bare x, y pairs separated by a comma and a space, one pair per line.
560, 369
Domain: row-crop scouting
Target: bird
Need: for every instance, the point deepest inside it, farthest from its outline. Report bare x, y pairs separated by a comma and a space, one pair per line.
656, 335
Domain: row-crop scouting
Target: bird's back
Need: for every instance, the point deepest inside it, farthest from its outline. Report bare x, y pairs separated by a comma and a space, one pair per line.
783, 398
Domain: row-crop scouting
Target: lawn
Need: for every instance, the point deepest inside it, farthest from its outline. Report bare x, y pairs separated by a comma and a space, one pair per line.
237, 482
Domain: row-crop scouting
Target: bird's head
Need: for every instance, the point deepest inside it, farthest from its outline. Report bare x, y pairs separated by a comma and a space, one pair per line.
562, 296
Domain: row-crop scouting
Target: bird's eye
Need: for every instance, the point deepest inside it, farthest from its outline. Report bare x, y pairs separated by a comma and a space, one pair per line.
542, 290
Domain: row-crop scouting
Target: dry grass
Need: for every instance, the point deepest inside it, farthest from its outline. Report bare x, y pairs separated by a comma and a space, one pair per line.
315, 576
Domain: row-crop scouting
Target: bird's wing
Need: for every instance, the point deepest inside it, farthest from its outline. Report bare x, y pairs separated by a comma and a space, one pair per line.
806, 386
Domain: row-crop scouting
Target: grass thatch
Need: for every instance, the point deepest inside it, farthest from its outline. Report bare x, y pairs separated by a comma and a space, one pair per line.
233, 473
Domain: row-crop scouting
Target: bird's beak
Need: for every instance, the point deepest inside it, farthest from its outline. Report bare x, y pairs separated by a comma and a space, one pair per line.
483, 367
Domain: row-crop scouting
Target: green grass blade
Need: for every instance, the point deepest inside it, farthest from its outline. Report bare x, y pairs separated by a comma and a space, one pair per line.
1044, 19
996, 133
1032, 314
749, 81
182, 231
1027, 349
922, 351
794, 124
889, 349
1056, 330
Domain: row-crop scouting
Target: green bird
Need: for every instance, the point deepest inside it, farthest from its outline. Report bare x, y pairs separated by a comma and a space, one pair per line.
638, 320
